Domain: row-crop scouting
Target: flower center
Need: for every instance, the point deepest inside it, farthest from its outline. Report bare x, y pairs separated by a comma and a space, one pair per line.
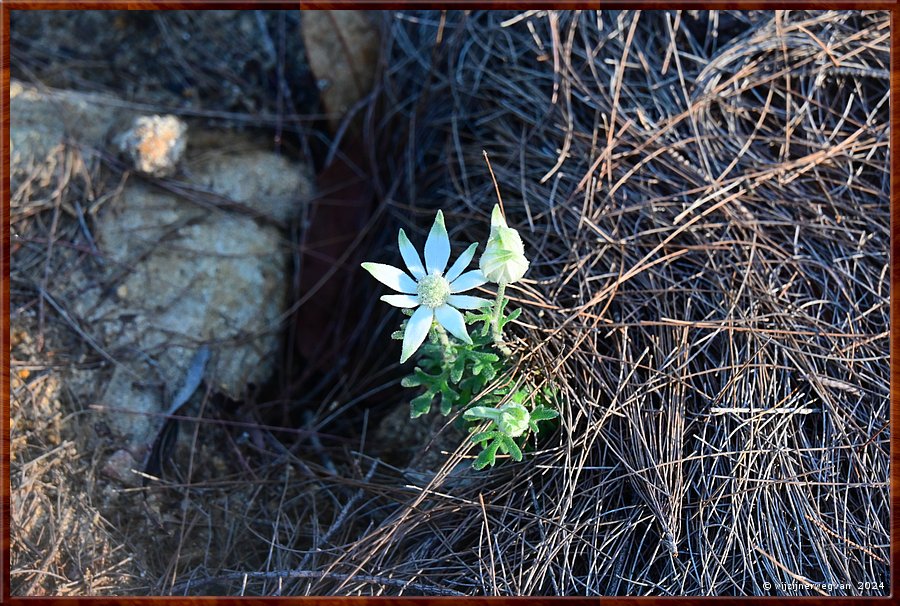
433, 290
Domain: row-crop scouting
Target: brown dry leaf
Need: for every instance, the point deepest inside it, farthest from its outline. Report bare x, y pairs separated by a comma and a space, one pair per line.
342, 47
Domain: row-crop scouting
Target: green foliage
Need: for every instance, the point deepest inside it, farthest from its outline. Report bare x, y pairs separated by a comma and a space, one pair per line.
505, 437
458, 374
486, 316
455, 372
492, 441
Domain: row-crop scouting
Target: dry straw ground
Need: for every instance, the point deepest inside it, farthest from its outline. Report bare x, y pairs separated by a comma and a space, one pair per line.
704, 197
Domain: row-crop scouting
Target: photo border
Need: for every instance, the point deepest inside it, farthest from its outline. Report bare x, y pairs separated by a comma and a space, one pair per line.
893, 6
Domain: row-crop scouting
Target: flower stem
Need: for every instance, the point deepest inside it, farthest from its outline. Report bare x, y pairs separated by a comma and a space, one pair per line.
444, 340
495, 320
483, 412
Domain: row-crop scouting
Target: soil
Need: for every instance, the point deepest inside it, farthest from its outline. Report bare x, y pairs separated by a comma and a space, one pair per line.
90, 514
216, 61
84, 522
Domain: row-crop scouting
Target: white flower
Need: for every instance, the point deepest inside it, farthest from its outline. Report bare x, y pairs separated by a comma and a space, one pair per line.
503, 260
434, 294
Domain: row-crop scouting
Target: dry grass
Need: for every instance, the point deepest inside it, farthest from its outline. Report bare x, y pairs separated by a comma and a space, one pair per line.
708, 218
707, 215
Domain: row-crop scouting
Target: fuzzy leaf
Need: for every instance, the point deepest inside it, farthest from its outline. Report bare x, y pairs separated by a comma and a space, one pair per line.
488, 456
510, 447
485, 317
484, 436
502, 321
520, 396
420, 405
447, 402
459, 366
410, 381
542, 413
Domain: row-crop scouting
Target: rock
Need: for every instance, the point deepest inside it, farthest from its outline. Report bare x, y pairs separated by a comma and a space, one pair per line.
342, 48
120, 467
267, 182
172, 275
155, 144
44, 122
194, 276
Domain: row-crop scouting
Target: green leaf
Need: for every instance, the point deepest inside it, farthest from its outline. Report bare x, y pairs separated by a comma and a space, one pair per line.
479, 413
510, 447
418, 378
541, 413
488, 456
410, 381
420, 405
484, 316
447, 404
502, 321
520, 396
484, 436
459, 366
472, 317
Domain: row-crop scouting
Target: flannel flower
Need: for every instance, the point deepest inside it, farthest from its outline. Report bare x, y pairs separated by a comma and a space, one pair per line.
503, 260
433, 293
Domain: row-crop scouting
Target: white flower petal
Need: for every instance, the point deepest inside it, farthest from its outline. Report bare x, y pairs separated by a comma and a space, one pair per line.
468, 280
466, 302
453, 321
411, 257
461, 263
401, 300
392, 277
437, 246
416, 330
497, 218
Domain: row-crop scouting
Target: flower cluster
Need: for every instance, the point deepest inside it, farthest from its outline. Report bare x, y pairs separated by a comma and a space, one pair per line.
453, 366
435, 295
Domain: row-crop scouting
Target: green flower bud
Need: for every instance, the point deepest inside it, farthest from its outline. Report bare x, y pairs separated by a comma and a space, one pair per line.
503, 260
513, 420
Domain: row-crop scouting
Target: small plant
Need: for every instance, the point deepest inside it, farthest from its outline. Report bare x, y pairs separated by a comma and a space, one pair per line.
452, 371
454, 367
508, 425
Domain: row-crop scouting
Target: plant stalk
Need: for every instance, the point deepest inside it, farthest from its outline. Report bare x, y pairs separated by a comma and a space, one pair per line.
444, 340
495, 320
484, 412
